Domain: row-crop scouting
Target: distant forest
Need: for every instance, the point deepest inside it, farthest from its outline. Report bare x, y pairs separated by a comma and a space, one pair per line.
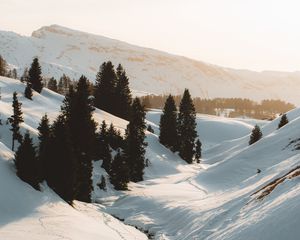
229, 107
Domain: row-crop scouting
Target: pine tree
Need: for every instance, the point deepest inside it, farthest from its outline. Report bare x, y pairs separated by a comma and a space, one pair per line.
119, 174
35, 75
3, 67
26, 162
15, 121
106, 157
25, 76
168, 125
103, 151
52, 84
123, 94
134, 151
60, 87
101, 139
146, 102
104, 91
283, 121
44, 147
14, 74
150, 129
64, 84
78, 110
102, 184
255, 135
186, 127
114, 137
61, 164
28, 91
198, 150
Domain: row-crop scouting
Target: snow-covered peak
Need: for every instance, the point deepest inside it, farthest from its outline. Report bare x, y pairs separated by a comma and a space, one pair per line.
52, 29
63, 50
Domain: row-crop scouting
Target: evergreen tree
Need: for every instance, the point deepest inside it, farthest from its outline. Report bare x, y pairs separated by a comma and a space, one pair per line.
106, 157
283, 121
198, 150
168, 125
150, 129
186, 127
3, 67
104, 92
60, 87
35, 75
25, 75
255, 135
44, 147
64, 85
26, 162
61, 164
114, 137
28, 91
14, 74
119, 174
102, 184
15, 121
101, 139
78, 111
123, 94
134, 151
146, 102
102, 147
52, 84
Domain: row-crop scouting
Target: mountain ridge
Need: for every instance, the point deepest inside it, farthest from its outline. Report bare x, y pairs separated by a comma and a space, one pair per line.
63, 50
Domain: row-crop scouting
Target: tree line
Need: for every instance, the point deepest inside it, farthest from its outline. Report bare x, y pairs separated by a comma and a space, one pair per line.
266, 109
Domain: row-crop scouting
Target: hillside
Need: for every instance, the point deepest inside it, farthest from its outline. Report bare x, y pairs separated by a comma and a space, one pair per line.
222, 198
62, 50
29, 214
43, 214
225, 197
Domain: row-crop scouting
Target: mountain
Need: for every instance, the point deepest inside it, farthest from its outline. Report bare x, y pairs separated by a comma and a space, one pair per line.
62, 50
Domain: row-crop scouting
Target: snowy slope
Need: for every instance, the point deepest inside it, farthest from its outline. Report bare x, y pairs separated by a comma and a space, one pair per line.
212, 130
62, 50
216, 200
29, 214
221, 198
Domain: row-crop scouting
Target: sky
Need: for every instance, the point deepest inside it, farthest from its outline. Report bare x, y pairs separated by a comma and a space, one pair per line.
244, 34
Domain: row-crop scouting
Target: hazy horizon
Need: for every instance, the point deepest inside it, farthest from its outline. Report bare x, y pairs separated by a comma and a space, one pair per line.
251, 35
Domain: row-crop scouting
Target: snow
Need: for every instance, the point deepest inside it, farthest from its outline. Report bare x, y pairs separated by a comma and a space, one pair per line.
212, 200
29, 214
62, 50
213, 130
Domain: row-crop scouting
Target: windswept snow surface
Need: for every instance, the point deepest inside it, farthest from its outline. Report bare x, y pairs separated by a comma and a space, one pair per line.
62, 50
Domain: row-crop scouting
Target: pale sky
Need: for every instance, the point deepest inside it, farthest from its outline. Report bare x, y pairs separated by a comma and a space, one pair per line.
248, 34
